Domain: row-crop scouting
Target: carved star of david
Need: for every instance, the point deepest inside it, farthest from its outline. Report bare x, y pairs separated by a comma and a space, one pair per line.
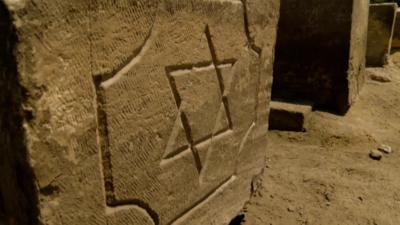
200, 92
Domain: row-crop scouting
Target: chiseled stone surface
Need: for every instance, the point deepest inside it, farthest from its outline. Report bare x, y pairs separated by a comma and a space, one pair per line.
321, 49
380, 31
143, 112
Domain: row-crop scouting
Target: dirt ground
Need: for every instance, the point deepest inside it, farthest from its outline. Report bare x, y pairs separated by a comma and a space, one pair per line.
325, 175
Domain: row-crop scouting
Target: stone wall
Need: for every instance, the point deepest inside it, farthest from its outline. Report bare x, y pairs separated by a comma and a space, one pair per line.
18, 199
315, 41
142, 112
396, 32
358, 49
380, 31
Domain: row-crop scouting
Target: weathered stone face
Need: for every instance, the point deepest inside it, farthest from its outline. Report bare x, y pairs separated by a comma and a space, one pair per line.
320, 53
17, 192
145, 112
380, 31
396, 31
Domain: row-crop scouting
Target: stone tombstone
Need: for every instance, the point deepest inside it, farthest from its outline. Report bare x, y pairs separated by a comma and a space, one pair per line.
138, 112
380, 31
320, 52
396, 31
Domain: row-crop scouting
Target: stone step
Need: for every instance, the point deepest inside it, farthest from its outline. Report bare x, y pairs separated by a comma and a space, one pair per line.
289, 116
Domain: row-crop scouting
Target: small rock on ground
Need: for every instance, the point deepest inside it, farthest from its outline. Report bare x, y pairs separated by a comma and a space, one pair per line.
290, 208
375, 154
380, 78
385, 149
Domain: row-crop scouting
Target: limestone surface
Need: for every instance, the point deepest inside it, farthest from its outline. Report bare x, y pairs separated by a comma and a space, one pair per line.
139, 112
320, 52
380, 31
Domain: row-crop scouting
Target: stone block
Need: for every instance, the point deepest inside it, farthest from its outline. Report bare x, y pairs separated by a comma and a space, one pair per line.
133, 112
396, 32
380, 32
286, 116
320, 52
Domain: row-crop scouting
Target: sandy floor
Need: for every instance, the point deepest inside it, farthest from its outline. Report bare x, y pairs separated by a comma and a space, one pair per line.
325, 176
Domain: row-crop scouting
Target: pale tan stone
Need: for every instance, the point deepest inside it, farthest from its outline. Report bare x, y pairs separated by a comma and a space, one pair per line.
145, 112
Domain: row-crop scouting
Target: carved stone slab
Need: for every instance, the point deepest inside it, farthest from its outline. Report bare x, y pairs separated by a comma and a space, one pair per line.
145, 112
